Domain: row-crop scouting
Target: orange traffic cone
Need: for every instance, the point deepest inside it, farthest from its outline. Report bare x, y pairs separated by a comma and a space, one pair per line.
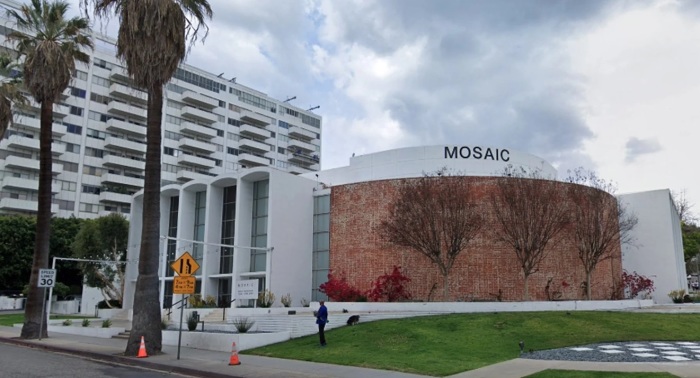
142, 349
234, 356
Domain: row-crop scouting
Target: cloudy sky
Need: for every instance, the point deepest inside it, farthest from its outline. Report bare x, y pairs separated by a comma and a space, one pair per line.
612, 86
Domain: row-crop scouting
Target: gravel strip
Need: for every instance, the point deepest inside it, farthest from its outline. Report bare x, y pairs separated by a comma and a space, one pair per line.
643, 351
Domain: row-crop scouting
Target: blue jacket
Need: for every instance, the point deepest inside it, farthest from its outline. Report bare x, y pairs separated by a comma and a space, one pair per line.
322, 315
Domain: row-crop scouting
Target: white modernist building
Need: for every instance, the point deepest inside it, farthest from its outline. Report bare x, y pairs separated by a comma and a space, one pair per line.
211, 126
267, 225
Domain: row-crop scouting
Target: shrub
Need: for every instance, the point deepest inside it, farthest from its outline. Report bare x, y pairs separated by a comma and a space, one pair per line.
286, 300
86, 322
192, 321
164, 323
106, 323
67, 322
304, 302
112, 304
341, 291
677, 295
390, 287
266, 299
635, 284
243, 324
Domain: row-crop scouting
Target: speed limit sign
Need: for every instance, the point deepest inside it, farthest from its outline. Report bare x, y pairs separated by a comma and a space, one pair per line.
47, 277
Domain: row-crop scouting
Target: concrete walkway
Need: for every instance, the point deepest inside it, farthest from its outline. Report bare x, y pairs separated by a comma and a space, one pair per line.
201, 363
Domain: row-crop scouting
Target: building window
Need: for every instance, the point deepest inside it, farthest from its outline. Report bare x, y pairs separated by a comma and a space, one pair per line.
74, 129
321, 245
283, 125
80, 75
74, 110
94, 152
172, 232
280, 150
70, 167
200, 211
228, 225
73, 148
219, 133
234, 122
90, 189
77, 92
258, 239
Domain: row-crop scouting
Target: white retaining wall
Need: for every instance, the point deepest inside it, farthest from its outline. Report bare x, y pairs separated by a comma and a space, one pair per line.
7, 303
223, 341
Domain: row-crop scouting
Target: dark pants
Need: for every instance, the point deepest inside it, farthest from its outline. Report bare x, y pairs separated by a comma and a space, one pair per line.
322, 335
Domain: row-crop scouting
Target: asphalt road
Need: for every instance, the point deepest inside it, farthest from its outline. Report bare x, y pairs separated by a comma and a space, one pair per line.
23, 362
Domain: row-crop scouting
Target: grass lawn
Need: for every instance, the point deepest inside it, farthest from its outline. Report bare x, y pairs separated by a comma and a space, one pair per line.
10, 319
596, 374
449, 344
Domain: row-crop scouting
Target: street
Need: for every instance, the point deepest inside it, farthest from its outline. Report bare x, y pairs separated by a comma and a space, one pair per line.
17, 361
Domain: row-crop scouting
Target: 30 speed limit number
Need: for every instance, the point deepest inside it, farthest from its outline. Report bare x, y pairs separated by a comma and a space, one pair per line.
47, 277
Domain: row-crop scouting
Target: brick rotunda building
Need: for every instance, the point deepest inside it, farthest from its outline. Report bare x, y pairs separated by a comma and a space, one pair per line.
264, 228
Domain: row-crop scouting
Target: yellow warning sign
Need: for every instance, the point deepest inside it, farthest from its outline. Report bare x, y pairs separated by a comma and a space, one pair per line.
184, 285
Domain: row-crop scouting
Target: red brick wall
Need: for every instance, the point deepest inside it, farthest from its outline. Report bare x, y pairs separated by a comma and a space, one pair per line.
359, 254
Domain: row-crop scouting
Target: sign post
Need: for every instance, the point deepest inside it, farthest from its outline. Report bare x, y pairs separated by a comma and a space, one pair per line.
183, 283
47, 278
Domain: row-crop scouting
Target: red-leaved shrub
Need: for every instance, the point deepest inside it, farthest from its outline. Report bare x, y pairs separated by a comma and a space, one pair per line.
390, 287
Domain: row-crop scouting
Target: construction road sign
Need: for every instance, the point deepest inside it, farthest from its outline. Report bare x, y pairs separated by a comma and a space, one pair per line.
184, 285
186, 265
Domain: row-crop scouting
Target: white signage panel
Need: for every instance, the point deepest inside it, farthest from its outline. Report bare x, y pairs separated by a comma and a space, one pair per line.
247, 289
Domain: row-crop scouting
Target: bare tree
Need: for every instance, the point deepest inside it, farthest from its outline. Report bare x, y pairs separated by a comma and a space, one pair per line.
531, 213
435, 216
601, 223
684, 207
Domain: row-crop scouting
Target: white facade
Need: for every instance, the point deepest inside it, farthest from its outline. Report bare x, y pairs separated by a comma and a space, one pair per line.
211, 126
416, 161
282, 222
657, 245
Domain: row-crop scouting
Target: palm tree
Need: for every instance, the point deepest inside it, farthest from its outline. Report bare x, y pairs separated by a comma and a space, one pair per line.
50, 44
10, 91
152, 41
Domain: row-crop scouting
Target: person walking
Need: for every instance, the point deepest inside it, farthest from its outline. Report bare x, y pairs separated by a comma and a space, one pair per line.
321, 320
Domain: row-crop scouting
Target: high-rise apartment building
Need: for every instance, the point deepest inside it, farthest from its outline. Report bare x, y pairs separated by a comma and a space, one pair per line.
211, 126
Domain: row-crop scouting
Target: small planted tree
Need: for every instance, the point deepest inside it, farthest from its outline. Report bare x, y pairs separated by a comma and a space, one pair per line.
435, 216
530, 214
600, 222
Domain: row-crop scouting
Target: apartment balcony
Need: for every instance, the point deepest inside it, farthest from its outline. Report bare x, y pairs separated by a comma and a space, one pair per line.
22, 205
296, 145
199, 115
119, 73
196, 145
297, 170
30, 164
117, 126
128, 93
255, 132
111, 178
120, 161
196, 99
125, 110
26, 184
59, 111
28, 122
128, 145
302, 159
303, 134
254, 145
184, 176
197, 130
250, 160
196, 161
115, 197
254, 118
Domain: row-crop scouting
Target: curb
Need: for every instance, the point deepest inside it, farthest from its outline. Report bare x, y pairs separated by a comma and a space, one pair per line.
120, 360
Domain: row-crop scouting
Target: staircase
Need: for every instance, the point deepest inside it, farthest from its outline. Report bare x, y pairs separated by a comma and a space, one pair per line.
122, 335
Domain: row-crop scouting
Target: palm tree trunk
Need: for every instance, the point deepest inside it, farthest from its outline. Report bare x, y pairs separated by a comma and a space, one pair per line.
146, 320
34, 317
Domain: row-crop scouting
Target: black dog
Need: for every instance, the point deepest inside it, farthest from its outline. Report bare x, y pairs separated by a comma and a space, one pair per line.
353, 320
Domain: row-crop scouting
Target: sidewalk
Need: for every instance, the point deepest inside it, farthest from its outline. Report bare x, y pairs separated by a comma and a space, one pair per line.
193, 362
202, 363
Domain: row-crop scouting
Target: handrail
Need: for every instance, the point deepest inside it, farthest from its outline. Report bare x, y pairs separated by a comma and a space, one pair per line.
170, 309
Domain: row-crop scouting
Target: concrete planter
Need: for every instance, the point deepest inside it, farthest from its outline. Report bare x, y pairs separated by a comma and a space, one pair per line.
99, 332
222, 342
